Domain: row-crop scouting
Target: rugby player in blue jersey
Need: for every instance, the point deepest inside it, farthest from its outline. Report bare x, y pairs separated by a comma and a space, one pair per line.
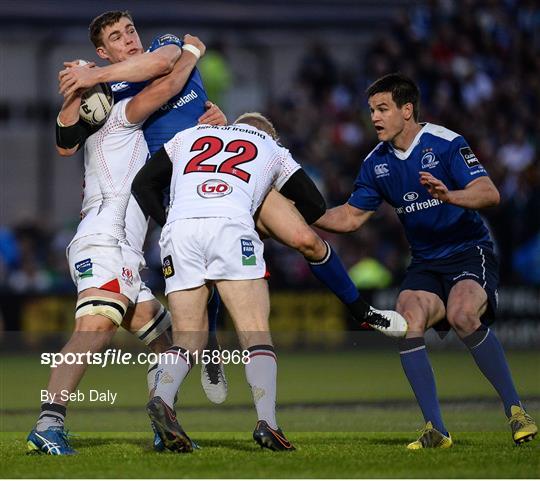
436, 184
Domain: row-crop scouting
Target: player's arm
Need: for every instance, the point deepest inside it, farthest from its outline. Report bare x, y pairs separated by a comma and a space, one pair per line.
344, 218
71, 131
153, 96
149, 183
139, 68
306, 197
477, 194
364, 201
472, 187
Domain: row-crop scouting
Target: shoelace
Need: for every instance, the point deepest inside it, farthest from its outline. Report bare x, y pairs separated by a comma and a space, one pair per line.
65, 435
517, 418
213, 371
377, 319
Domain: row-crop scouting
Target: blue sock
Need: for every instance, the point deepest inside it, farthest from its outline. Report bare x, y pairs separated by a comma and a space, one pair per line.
331, 272
415, 362
213, 311
489, 356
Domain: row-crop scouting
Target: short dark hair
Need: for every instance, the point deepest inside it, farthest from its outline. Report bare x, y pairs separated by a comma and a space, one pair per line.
402, 88
104, 20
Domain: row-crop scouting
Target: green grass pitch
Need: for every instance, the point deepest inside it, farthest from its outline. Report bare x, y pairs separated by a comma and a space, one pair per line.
350, 415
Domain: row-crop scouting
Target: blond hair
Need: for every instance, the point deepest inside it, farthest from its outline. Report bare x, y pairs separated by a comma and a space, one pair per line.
259, 121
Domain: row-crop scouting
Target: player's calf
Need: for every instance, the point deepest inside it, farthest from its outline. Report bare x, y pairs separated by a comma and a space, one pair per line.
309, 244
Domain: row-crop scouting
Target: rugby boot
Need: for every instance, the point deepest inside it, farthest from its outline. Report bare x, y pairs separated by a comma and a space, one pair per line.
431, 438
53, 441
273, 439
523, 427
214, 382
390, 323
167, 427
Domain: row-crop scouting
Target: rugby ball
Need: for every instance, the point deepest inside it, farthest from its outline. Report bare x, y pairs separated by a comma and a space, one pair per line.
96, 103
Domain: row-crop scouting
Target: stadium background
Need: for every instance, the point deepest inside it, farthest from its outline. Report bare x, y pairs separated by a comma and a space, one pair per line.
306, 64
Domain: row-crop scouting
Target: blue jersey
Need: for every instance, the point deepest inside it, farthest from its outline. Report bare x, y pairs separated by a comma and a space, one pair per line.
179, 113
434, 229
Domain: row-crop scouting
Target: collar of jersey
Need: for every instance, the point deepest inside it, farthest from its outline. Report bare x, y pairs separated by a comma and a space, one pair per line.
405, 155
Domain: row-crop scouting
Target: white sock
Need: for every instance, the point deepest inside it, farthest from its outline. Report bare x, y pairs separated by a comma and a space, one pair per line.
261, 375
51, 415
151, 379
170, 373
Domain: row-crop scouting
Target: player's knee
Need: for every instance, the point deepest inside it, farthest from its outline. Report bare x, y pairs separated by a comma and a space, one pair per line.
94, 324
309, 244
416, 323
463, 319
415, 317
153, 326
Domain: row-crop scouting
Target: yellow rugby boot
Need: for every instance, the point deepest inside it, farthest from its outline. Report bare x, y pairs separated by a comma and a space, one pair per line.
431, 438
522, 425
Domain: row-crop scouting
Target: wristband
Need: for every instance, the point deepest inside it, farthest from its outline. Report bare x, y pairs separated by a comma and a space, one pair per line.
69, 137
191, 48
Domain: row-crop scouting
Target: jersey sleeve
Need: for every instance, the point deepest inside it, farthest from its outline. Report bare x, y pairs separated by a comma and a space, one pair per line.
464, 166
365, 195
173, 146
122, 117
166, 39
287, 166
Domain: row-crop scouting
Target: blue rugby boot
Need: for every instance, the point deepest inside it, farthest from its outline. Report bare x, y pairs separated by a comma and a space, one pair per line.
158, 443
53, 441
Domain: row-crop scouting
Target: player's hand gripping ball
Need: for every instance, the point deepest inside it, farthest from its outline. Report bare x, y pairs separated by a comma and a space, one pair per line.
96, 103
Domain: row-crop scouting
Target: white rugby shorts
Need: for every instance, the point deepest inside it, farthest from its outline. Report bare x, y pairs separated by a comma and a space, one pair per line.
194, 251
101, 261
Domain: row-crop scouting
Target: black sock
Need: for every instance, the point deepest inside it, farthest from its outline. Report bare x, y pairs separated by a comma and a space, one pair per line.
358, 309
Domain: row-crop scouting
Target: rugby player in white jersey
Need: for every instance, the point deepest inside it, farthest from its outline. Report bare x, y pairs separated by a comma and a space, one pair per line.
105, 255
220, 177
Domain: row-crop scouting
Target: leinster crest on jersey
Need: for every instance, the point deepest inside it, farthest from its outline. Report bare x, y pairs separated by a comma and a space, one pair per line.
429, 161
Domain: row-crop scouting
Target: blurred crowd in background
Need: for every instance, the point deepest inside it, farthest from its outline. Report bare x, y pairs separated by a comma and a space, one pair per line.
478, 68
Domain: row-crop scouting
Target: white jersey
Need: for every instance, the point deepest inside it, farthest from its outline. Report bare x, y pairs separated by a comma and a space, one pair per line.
224, 171
112, 158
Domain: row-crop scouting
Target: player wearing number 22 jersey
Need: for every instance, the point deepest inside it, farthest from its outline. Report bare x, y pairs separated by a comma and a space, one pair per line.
222, 173
220, 176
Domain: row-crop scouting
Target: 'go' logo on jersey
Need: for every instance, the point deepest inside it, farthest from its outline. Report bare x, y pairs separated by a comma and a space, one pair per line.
214, 188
